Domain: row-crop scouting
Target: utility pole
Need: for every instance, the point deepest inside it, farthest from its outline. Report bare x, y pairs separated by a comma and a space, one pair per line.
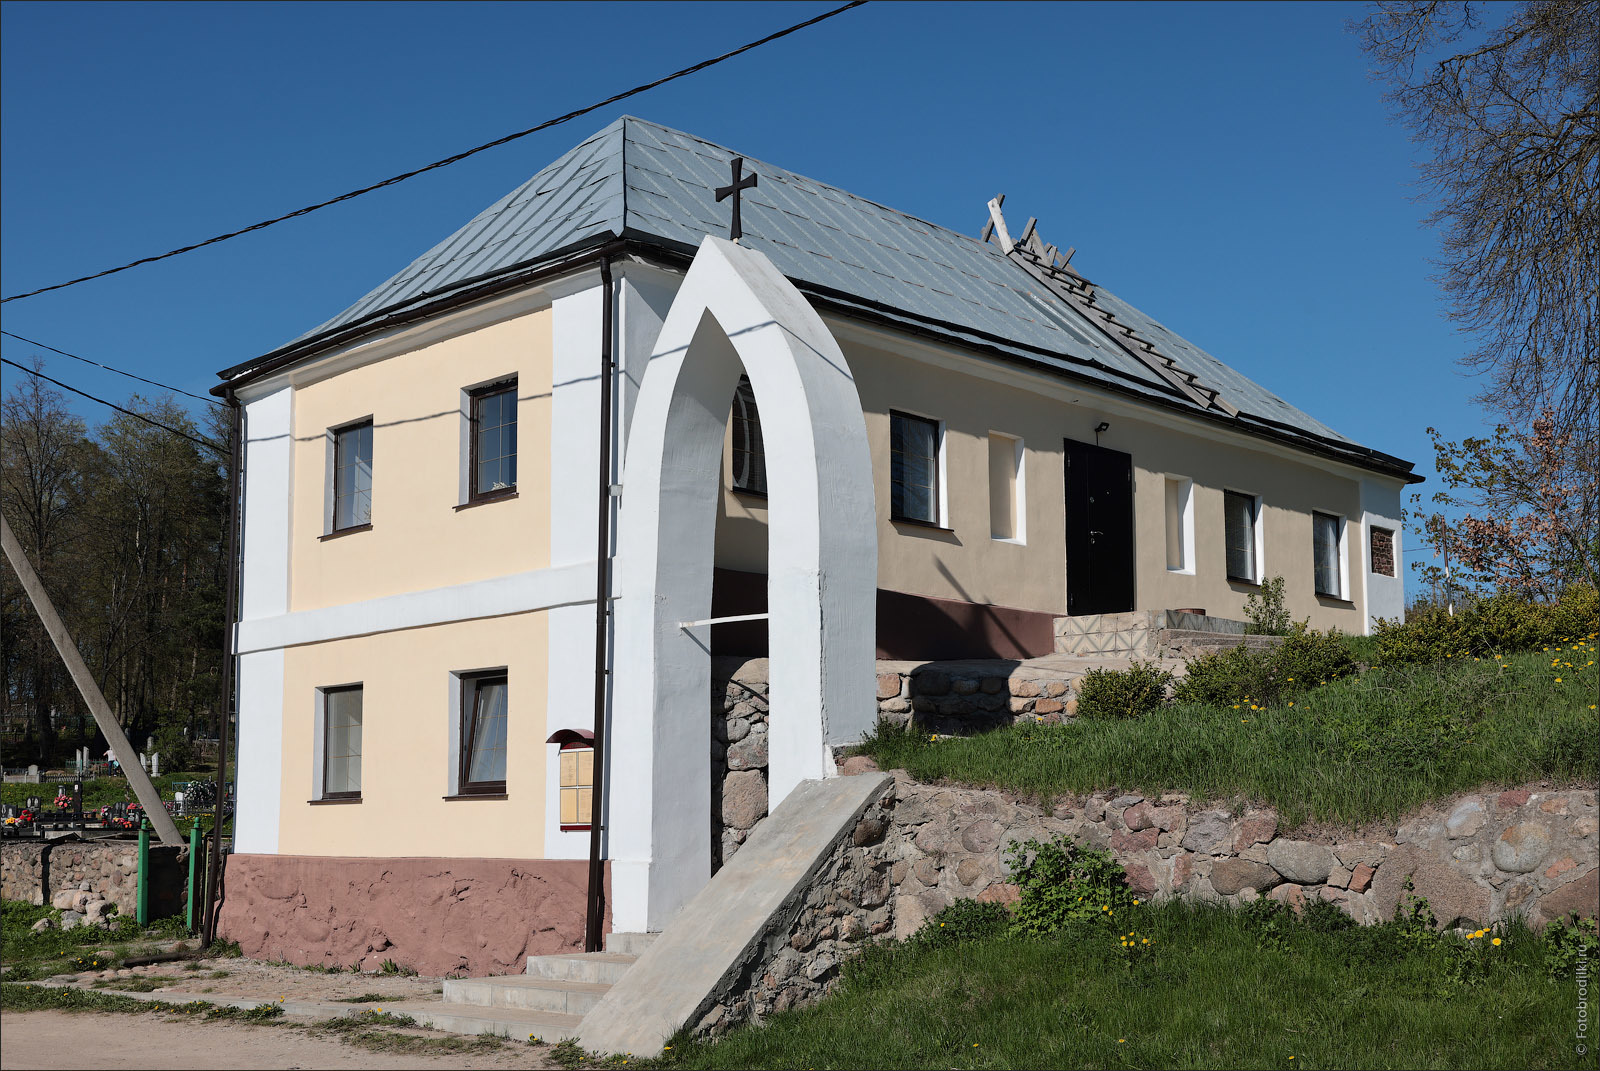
149, 798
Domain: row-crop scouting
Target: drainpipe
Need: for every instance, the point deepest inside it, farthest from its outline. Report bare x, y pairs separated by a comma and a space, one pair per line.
594, 915
225, 700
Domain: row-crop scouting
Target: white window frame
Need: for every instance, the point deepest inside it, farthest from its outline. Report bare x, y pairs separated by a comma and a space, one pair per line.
319, 735
1259, 519
1019, 491
1341, 549
1186, 522
330, 459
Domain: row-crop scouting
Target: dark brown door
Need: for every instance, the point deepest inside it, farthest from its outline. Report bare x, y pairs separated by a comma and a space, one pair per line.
1099, 529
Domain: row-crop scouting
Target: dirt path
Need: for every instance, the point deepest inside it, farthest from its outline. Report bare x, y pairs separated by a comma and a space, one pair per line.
53, 1039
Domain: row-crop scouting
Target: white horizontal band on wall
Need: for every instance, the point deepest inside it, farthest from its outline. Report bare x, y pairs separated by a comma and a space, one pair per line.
538, 589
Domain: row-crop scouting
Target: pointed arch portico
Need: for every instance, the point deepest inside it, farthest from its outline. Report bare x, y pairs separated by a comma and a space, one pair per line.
735, 313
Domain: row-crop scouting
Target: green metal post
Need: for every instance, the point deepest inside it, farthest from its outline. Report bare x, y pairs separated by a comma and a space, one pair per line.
194, 858
144, 870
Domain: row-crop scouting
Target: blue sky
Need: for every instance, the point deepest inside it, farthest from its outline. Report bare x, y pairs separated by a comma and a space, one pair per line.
1227, 167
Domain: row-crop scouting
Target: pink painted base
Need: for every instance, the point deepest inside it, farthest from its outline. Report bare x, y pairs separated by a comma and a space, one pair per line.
478, 916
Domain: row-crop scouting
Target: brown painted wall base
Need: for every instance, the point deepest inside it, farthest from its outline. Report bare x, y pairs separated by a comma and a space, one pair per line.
910, 627
479, 916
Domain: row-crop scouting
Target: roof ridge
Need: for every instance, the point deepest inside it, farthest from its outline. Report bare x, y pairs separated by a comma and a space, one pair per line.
967, 238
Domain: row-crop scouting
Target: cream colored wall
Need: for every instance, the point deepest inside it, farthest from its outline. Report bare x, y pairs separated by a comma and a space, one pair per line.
405, 740
418, 538
965, 563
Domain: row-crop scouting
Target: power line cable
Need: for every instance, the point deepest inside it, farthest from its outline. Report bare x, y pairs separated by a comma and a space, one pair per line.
109, 368
207, 443
449, 159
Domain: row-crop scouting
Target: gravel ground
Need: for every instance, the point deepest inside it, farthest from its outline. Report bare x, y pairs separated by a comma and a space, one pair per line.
41, 1039
261, 981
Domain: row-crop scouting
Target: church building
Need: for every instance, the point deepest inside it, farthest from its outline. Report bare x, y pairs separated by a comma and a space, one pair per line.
498, 514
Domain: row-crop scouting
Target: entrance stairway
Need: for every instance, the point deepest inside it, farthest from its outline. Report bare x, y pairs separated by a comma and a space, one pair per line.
548, 1002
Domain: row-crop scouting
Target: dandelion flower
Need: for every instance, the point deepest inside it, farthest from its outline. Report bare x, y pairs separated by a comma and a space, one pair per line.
1495, 942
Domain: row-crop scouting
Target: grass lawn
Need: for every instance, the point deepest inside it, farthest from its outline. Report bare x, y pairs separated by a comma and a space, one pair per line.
28, 955
1220, 989
1362, 748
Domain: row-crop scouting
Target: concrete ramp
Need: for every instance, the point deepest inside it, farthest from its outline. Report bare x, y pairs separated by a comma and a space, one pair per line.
707, 947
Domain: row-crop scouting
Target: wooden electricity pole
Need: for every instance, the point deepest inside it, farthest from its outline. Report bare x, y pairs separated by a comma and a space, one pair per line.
149, 798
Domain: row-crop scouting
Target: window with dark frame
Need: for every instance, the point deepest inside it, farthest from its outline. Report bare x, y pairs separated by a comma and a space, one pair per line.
749, 455
341, 742
494, 440
1240, 519
352, 476
914, 468
1325, 554
577, 785
483, 734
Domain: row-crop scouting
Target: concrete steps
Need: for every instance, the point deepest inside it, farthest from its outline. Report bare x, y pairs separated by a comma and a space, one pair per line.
514, 1023
547, 1002
527, 992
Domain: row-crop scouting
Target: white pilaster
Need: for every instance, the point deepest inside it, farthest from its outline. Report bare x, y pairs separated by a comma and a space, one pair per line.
576, 309
1380, 508
264, 592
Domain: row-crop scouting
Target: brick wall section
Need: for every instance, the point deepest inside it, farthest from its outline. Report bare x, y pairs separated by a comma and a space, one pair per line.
1383, 552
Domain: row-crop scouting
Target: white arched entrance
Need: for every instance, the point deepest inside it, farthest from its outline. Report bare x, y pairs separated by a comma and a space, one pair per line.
734, 313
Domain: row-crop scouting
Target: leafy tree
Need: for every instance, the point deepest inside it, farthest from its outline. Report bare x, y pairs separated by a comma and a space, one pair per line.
42, 452
1509, 115
1523, 512
125, 527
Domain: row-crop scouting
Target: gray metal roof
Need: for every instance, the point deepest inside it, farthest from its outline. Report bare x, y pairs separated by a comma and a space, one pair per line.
639, 180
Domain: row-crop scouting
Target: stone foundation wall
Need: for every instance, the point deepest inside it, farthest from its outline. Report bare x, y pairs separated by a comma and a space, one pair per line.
1479, 858
436, 916
88, 872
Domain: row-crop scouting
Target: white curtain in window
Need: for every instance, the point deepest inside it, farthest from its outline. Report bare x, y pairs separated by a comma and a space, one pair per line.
1240, 517
489, 734
1325, 551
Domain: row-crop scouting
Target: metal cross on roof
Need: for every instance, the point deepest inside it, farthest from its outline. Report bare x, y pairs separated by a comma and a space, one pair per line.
733, 189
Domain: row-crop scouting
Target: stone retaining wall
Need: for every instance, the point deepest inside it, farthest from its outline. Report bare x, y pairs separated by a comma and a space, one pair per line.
1479, 858
92, 871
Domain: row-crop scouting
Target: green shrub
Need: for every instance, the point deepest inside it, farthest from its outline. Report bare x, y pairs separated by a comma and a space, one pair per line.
1122, 693
1567, 942
964, 920
1502, 623
176, 750
1063, 883
1304, 660
1265, 610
